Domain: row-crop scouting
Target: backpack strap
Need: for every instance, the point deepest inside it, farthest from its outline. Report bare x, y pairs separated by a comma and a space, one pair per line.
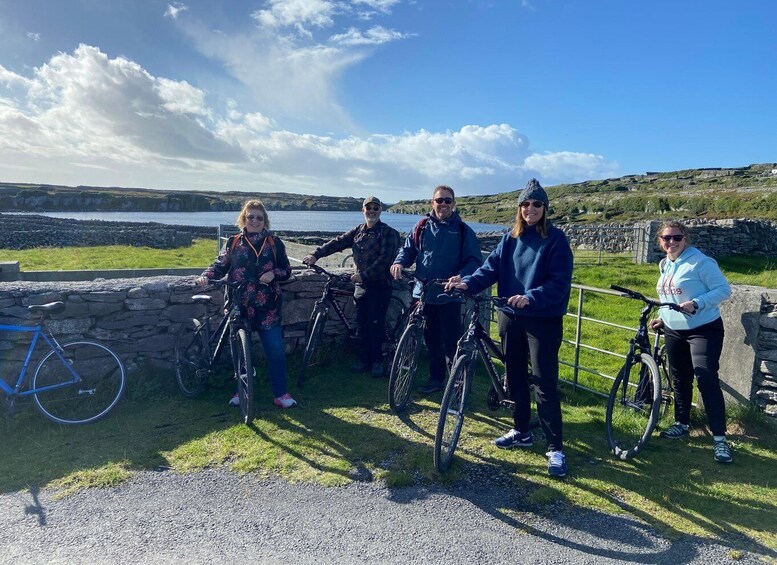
418, 232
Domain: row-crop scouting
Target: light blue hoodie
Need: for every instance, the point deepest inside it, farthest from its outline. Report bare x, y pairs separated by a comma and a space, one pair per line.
692, 276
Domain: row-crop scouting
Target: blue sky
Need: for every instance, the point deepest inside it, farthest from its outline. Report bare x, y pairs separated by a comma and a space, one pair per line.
383, 97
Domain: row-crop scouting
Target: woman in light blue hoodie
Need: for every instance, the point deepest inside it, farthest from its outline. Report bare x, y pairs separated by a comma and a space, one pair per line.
694, 337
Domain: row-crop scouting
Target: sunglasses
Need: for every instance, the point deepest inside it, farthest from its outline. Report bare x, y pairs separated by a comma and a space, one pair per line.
446, 200
536, 204
372, 208
676, 237
250, 217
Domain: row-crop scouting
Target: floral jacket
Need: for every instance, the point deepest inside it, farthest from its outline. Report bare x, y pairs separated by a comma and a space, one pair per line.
260, 303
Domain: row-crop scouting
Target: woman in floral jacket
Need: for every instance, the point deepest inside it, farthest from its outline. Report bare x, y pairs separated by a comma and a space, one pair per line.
256, 256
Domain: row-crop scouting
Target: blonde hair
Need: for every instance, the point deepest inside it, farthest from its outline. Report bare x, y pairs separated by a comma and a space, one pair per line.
520, 224
252, 205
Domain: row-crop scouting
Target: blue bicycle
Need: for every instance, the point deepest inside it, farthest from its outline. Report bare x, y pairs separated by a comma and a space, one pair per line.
74, 383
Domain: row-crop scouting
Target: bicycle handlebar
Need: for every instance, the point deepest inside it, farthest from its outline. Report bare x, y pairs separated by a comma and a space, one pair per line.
343, 277
628, 293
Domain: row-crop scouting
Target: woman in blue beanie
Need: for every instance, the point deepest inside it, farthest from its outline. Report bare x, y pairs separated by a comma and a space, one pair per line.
533, 267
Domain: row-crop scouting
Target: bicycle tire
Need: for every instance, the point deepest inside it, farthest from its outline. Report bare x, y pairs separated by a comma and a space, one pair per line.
244, 373
191, 359
666, 387
311, 344
451, 419
403, 367
396, 320
100, 386
632, 413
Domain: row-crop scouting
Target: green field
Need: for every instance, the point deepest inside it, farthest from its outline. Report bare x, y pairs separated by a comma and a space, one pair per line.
344, 427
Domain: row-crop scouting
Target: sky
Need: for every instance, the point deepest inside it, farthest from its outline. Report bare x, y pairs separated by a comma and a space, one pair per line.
381, 97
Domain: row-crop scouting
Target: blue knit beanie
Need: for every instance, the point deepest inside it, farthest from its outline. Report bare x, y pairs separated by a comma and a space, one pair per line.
534, 191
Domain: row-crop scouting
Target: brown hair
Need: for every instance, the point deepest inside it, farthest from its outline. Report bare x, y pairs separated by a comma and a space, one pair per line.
251, 205
520, 224
674, 224
444, 187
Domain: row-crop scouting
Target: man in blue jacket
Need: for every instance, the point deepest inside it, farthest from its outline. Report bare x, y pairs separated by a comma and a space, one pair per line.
441, 246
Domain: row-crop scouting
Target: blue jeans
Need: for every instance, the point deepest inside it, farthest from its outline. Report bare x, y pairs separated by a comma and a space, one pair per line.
275, 349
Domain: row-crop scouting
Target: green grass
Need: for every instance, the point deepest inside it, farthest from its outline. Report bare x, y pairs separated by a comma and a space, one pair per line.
200, 254
344, 425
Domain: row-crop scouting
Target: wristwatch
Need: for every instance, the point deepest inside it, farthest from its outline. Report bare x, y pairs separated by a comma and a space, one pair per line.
695, 305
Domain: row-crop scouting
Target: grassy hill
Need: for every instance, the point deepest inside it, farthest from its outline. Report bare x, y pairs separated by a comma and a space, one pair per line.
44, 198
714, 193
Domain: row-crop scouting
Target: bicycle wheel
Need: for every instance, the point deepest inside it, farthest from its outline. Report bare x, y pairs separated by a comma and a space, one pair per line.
191, 358
633, 406
403, 367
396, 320
87, 382
667, 398
244, 373
451, 419
311, 344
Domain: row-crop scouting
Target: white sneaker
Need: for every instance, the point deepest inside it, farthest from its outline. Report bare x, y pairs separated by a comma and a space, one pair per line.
285, 401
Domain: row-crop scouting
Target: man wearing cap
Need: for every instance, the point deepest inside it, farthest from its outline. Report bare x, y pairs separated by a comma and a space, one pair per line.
374, 246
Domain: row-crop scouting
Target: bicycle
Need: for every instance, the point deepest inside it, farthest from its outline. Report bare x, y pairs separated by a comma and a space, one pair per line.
338, 295
642, 390
475, 342
405, 359
77, 382
198, 350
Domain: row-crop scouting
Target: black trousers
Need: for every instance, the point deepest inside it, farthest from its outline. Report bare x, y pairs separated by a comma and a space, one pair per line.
696, 353
538, 340
371, 308
442, 333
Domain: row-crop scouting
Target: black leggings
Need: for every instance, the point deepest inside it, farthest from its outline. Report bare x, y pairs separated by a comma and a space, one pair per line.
696, 353
538, 339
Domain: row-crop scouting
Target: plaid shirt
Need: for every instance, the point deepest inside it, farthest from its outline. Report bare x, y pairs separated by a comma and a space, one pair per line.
374, 250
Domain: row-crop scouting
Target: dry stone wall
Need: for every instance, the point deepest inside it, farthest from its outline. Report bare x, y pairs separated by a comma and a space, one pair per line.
765, 382
138, 318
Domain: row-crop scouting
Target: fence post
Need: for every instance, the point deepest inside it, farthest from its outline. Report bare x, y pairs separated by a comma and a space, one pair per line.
578, 332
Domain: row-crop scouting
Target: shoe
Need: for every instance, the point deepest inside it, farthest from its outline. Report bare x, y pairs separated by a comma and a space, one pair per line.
675, 431
430, 387
557, 464
360, 367
235, 400
722, 452
377, 370
514, 438
285, 401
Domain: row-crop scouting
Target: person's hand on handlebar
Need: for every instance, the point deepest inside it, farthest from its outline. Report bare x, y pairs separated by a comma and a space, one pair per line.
396, 271
201, 281
688, 307
656, 324
518, 301
454, 283
309, 259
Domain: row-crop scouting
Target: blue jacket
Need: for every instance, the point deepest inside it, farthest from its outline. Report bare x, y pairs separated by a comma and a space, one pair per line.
692, 276
441, 253
536, 267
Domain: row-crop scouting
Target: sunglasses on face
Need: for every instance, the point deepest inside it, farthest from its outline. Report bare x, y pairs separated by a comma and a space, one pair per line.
251, 217
676, 237
536, 204
372, 208
446, 200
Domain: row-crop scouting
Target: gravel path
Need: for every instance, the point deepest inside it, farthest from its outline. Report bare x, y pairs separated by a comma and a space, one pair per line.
217, 516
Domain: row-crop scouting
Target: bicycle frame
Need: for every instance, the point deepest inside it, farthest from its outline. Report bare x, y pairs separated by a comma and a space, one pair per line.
329, 295
37, 331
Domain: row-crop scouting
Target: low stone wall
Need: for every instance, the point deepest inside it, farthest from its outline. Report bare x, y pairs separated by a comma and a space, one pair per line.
27, 232
765, 383
138, 318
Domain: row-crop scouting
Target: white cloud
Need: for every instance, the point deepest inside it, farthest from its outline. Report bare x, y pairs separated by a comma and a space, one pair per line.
33, 36
174, 9
374, 36
297, 13
84, 118
567, 166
